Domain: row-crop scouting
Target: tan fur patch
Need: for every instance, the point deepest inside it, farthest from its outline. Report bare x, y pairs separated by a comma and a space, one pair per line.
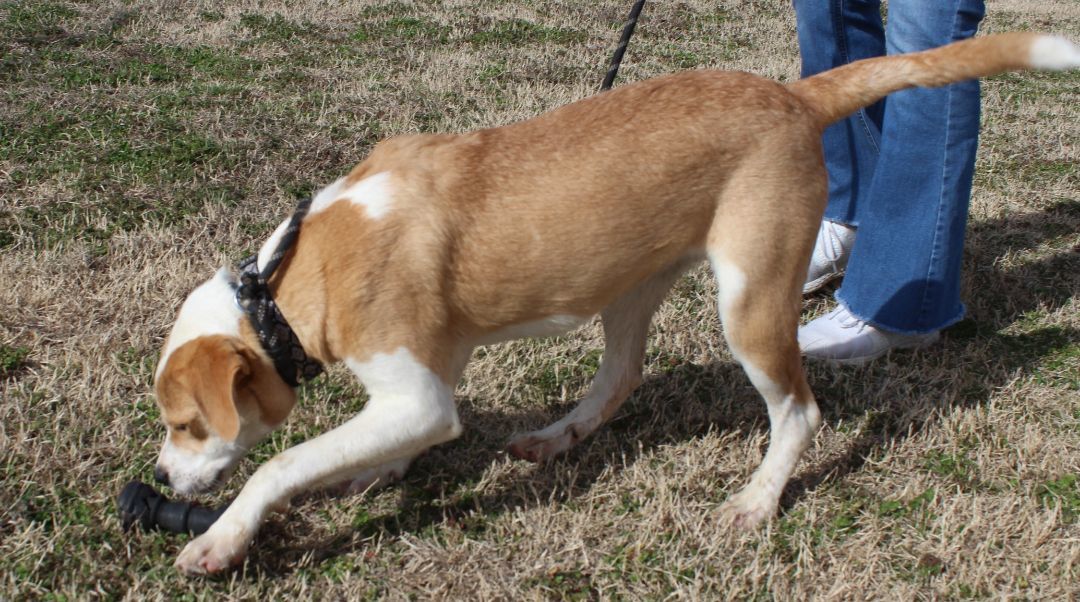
211, 381
197, 389
481, 239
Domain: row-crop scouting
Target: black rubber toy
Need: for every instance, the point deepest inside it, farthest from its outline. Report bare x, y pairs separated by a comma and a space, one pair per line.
140, 504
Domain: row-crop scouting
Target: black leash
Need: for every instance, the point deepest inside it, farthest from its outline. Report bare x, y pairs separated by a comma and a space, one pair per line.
616, 59
254, 298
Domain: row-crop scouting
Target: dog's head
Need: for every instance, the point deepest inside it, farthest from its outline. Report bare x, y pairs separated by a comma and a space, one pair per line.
218, 394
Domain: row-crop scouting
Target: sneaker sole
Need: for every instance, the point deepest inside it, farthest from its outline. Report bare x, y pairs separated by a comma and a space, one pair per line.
930, 339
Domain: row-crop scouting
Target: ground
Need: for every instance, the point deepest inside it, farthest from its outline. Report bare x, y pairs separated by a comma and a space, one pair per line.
144, 144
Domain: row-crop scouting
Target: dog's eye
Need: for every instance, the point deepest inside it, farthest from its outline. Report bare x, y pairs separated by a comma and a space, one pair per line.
181, 427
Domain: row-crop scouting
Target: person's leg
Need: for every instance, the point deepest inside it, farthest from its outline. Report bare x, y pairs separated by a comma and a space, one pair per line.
902, 282
833, 33
904, 271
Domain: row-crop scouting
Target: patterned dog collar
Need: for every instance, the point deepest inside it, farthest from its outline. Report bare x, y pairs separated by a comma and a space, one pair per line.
254, 298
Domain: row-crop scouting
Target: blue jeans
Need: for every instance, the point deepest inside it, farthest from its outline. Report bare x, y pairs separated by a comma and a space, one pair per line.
899, 170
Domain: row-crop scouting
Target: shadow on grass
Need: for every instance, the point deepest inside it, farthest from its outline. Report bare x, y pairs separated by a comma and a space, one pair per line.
978, 353
894, 397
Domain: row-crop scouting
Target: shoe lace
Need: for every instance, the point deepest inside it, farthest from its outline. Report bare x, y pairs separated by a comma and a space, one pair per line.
829, 243
846, 320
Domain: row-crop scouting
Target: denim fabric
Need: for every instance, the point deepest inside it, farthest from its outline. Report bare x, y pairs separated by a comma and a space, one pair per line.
900, 170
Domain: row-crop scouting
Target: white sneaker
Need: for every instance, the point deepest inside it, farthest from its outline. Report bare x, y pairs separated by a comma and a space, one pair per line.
831, 251
841, 338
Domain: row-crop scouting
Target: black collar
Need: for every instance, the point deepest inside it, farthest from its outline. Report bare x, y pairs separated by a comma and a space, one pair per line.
253, 297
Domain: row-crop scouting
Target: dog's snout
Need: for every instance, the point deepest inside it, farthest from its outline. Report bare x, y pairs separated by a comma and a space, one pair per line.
161, 475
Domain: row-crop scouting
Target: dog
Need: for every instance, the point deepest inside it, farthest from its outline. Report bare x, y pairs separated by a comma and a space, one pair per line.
436, 244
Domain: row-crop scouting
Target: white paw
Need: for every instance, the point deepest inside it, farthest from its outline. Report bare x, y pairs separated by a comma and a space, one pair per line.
213, 552
540, 446
377, 477
748, 508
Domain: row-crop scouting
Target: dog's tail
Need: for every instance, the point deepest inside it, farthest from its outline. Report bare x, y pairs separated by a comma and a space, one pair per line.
839, 92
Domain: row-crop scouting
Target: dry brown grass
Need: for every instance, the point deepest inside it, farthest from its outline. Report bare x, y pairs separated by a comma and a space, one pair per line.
141, 145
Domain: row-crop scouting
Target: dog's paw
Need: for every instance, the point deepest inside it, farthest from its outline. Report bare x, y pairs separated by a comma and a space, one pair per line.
212, 553
541, 446
377, 477
748, 509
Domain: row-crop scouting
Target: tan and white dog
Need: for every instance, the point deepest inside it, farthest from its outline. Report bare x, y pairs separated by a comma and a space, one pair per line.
436, 244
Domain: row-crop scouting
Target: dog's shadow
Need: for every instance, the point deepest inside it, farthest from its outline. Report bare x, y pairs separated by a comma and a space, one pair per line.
683, 401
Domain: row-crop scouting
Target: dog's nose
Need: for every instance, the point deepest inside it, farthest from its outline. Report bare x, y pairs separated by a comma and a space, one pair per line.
161, 476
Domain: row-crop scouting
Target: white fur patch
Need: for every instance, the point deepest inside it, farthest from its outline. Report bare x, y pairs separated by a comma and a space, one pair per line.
209, 309
271, 244
730, 279
399, 375
191, 473
373, 193
326, 197
1054, 52
545, 327
792, 427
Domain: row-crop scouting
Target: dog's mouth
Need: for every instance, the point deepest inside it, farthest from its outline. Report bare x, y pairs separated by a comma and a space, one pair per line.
203, 486
216, 482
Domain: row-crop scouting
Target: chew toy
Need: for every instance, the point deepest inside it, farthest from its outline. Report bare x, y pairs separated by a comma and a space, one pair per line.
141, 504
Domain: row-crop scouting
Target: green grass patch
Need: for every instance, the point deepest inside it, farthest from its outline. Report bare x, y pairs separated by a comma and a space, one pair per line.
81, 72
684, 59
794, 527
1063, 493
785, 535
35, 22
929, 565
957, 467
964, 591
1061, 368
94, 154
519, 32
388, 9
12, 359
212, 16
551, 375
1027, 88
917, 511
275, 28
403, 28
137, 363
636, 563
147, 65
565, 584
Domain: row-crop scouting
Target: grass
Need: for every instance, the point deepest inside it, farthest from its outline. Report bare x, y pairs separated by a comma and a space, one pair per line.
142, 145
12, 359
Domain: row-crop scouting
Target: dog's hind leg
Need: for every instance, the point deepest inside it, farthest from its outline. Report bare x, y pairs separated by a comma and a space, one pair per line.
760, 263
761, 336
626, 325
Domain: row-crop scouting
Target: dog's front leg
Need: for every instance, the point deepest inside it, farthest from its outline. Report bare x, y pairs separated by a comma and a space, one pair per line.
410, 409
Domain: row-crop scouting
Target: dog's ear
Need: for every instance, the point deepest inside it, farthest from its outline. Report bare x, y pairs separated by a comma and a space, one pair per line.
224, 369
205, 373
273, 395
